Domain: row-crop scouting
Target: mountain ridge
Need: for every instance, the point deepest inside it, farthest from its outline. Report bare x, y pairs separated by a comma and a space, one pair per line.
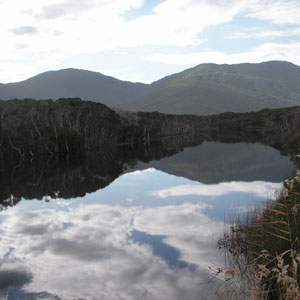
204, 89
88, 85
212, 88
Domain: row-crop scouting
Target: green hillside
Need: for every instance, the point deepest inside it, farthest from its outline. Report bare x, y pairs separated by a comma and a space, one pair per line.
72, 83
210, 88
203, 90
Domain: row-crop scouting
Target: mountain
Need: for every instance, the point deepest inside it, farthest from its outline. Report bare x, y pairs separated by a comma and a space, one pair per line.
204, 89
215, 162
73, 83
211, 89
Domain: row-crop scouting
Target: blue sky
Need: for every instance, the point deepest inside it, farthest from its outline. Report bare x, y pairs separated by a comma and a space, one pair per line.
143, 40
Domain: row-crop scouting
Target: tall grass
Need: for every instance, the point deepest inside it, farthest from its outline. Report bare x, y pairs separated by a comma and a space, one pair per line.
265, 251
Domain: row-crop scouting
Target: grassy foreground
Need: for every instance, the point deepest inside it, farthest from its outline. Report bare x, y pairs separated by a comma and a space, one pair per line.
265, 250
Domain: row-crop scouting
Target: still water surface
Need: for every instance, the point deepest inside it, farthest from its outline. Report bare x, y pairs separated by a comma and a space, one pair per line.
150, 234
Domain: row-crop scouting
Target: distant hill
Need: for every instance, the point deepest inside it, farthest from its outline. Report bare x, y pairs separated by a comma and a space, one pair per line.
73, 83
204, 89
215, 162
210, 89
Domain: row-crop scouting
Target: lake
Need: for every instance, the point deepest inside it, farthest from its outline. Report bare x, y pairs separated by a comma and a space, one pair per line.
119, 227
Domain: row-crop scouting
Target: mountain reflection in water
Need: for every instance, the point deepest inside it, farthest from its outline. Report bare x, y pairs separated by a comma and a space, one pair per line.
130, 228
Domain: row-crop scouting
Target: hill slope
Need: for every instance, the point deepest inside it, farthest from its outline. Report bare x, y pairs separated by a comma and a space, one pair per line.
210, 89
204, 89
215, 162
73, 83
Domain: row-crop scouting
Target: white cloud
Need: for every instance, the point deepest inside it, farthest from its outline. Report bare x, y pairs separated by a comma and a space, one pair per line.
186, 218
85, 252
139, 172
178, 23
259, 188
187, 228
70, 26
276, 11
74, 26
269, 51
261, 33
42, 34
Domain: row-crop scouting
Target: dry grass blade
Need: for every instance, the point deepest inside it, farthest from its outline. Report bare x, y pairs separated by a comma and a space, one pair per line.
277, 222
271, 247
277, 235
279, 212
280, 230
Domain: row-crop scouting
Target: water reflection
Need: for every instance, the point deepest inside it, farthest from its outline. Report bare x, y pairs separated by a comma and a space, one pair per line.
209, 162
95, 256
13, 279
75, 177
160, 248
258, 188
146, 235
214, 162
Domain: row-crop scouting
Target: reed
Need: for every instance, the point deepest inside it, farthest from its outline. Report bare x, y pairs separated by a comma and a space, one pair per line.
265, 250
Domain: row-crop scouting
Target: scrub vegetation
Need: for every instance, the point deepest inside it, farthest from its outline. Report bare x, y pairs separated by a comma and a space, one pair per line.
265, 249
30, 128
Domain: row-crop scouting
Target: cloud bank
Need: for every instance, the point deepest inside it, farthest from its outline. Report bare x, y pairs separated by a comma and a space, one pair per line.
43, 35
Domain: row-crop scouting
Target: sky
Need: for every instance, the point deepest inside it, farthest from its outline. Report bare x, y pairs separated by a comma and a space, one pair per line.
143, 40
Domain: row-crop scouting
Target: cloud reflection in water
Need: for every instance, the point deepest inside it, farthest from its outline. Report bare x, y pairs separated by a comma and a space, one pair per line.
95, 257
86, 250
258, 188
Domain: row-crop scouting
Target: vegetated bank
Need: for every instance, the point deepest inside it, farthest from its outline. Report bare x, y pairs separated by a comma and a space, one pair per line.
68, 126
265, 250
